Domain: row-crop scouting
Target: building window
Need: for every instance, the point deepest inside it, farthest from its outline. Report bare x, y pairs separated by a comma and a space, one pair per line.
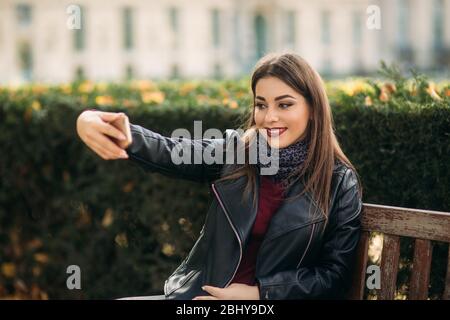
438, 24
235, 29
357, 28
129, 72
24, 14
217, 73
175, 72
325, 27
403, 23
80, 34
327, 67
174, 26
79, 74
26, 60
173, 16
291, 28
404, 49
261, 36
215, 21
128, 41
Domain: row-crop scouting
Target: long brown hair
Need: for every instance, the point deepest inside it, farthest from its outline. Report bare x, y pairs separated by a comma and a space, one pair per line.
324, 148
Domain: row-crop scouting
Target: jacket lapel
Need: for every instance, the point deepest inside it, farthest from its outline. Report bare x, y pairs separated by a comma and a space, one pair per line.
291, 215
241, 211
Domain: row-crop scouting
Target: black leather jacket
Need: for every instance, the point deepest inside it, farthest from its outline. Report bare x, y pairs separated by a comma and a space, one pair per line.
296, 259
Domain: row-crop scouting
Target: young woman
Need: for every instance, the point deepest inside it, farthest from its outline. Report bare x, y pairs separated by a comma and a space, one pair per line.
289, 235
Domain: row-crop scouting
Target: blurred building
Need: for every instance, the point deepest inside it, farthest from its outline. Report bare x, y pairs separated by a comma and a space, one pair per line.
123, 39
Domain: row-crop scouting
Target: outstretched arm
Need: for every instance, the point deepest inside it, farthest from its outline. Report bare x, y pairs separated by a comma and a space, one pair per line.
150, 150
157, 153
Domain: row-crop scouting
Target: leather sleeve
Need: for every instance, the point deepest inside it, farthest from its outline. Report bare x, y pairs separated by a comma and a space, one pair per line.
330, 277
154, 152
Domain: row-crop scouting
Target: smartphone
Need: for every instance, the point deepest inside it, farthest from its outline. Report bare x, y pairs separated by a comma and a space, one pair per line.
123, 125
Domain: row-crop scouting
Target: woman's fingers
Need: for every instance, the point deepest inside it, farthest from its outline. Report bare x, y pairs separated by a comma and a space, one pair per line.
110, 146
105, 153
94, 129
112, 131
110, 116
101, 151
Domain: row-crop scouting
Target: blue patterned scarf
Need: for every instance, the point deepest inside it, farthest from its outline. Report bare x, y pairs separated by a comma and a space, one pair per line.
290, 158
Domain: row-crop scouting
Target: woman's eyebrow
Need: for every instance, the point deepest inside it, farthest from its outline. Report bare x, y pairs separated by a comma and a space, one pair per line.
277, 98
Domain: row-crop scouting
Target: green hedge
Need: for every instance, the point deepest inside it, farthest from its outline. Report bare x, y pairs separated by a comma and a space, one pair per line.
62, 205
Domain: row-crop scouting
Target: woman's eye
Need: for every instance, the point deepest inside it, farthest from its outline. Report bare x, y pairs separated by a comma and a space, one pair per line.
260, 105
285, 105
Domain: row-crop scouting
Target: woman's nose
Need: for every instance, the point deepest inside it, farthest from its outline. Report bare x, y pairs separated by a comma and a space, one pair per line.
271, 115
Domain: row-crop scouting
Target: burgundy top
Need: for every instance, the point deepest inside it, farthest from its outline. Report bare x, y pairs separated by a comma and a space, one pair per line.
270, 198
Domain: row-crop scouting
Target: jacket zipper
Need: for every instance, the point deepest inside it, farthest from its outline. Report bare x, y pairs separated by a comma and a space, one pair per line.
301, 259
304, 253
234, 230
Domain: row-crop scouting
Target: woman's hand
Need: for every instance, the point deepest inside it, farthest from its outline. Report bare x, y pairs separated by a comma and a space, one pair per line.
235, 291
95, 130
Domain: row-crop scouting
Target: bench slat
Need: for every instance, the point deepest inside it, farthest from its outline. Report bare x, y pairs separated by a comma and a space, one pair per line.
359, 277
389, 267
422, 224
420, 276
446, 295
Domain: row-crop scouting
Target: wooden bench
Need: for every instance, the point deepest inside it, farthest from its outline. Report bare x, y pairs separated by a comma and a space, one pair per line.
393, 222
